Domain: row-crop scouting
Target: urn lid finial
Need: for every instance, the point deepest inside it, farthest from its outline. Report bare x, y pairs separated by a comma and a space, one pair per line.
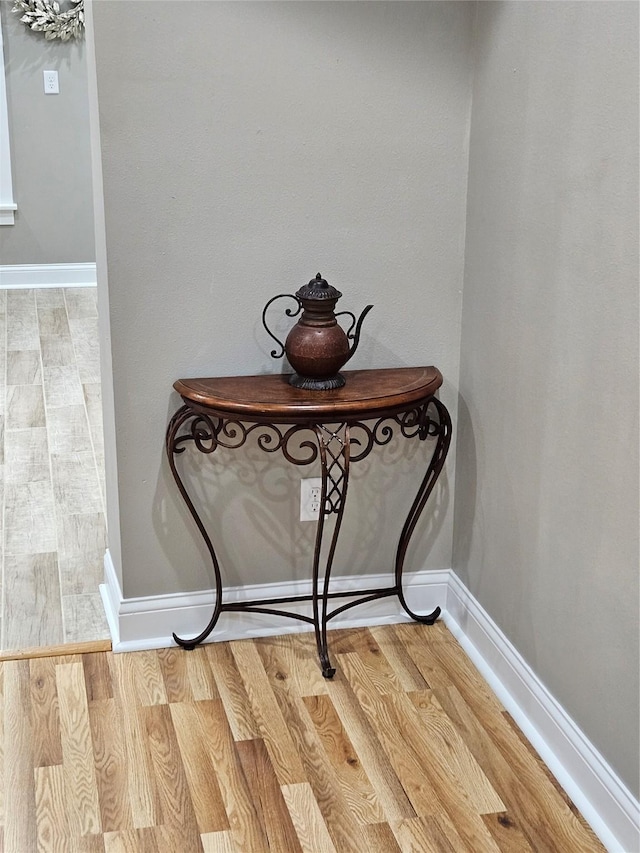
318, 288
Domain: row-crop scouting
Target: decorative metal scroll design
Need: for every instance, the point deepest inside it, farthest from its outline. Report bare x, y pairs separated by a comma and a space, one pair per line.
208, 433
335, 451
413, 423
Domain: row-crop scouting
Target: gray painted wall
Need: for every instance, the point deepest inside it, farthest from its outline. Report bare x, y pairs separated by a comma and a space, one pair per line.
245, 146
50, 151
546, 521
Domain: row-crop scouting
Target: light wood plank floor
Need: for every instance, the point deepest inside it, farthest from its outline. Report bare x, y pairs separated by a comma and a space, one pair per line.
51, 468
244, 747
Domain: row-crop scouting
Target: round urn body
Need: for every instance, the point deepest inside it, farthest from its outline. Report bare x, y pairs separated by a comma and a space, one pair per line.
316, 353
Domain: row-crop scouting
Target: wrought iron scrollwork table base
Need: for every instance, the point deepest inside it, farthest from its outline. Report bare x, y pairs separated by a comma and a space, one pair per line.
336, 427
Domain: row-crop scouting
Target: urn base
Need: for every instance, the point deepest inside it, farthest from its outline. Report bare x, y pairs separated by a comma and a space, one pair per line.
309, 383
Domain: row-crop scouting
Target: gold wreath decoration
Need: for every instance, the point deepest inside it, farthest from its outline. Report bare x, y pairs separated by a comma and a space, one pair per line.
45, 16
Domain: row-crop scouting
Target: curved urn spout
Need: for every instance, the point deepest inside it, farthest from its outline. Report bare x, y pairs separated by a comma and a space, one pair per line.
356, 334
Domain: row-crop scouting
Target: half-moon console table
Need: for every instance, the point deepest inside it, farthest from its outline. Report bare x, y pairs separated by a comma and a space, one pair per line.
339, 427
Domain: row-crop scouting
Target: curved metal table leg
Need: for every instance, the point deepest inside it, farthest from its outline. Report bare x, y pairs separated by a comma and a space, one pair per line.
181, 417
443, 431
334, 459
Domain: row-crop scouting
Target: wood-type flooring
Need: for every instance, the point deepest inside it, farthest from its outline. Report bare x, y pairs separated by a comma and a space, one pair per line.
52, 521
243, 747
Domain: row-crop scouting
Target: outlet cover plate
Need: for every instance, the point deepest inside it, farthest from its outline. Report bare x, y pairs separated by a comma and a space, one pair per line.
310, 491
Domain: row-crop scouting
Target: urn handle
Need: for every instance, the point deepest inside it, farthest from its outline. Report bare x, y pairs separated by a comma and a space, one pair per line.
290, 312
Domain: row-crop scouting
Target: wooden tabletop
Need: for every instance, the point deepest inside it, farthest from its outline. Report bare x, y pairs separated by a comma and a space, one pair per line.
367, 394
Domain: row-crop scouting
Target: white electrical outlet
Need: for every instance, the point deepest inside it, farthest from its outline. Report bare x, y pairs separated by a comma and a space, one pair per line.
51, 86
310, 493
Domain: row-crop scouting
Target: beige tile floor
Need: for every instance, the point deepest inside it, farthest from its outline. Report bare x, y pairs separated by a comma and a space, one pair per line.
51, 469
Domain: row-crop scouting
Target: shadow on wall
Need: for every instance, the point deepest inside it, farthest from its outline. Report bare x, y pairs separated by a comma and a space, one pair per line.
248, 502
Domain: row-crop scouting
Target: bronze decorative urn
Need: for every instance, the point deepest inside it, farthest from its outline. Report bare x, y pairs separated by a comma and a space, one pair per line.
317, 347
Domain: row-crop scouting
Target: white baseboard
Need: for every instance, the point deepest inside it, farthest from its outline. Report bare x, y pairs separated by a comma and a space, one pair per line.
7, 213
19, 276
602, 798
147, 623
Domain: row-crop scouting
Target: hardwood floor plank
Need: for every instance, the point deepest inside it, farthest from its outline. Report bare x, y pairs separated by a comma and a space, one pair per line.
108, 734
378, 838
86, 844
398, 751
19, 783
218, 842
357, 789
201, 680
177, 814
404, 668
77, 750
145, 676
420, 834
473, 708
232, 692
293, 660
266, 712
143, 796
380, 673
430, 654
144, 840
307, 819
506, 833
391, 794
462, 800
53, 832
450, 760
174, 668
267, 796
245, 826
202, 779
318, 771
543, 768
97, 676
45, 716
